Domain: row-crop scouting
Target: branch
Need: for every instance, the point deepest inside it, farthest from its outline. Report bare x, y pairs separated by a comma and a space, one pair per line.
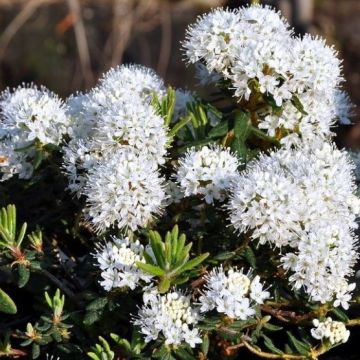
81, 42
265, 355
19, 20
353, 322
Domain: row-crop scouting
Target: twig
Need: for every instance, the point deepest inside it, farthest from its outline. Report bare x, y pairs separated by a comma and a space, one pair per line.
166, 37
81, 42
60, 285
289, 316
24, 15
353, 322
266, 355
122, 26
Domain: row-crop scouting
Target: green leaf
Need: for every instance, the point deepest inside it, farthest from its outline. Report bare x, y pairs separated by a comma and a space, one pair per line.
205, 344
157, 247
183, 354
97, 304
21, 235
92, 317
270, 345
250, 257
38, 158
195, 144
179, 125
121, 342
24, 275
239, 148
226, 255
180, 247
7, 305
151, 269
35, 351
209, 324
192, 263
93, 356
298, 105
302, 347
242, 126
219, 130
341, 315
272, 327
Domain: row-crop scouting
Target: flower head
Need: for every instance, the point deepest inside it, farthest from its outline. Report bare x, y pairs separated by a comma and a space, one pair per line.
209, 172
303, 200
125, 191
29, 115
170, 316
233, 293
117, 260
329, 330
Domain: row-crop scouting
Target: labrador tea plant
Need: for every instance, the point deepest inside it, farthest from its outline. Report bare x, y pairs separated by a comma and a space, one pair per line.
166, 226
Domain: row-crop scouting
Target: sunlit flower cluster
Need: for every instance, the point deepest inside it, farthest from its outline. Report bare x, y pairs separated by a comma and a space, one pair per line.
255, 50
171, 316
303, 200
29, 117
115, 115
233, 293
117, 142
126, 191
117, 261
329, 330
208, 172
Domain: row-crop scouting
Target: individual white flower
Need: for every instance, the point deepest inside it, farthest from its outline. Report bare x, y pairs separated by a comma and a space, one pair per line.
28, 115
329, 330
170, 316
233, 293
117, 260
125, 191
304, 200
209, 172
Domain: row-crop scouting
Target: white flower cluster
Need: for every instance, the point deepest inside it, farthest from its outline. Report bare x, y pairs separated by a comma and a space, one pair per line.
254, 48
28, 115
118, 141
333, 331
117, 261
124, 191
209, 172
232, 293
304, 202
171, 316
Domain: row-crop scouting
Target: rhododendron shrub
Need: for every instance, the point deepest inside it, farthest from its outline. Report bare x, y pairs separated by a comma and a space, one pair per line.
153, 223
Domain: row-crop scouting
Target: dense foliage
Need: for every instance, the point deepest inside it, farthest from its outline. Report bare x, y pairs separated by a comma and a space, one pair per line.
162, 225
